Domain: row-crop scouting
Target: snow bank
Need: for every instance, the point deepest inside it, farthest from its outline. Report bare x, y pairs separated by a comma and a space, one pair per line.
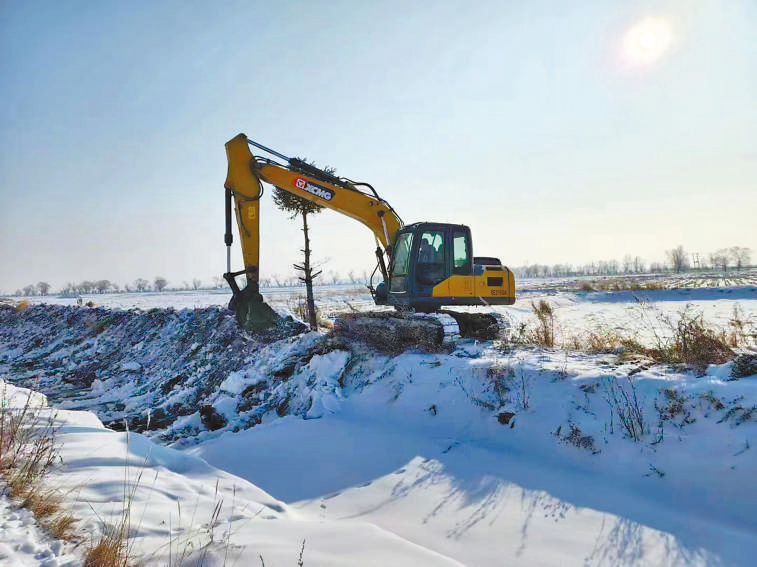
177, 505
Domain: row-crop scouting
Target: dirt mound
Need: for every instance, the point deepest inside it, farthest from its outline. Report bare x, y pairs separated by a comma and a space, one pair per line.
142, 369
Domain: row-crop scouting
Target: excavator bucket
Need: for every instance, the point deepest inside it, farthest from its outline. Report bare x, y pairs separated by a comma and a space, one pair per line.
252, 312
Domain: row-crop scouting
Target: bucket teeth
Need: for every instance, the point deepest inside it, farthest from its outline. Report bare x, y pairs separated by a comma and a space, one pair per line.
252, 312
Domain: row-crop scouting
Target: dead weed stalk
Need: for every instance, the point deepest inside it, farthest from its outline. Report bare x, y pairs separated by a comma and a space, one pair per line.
625, 406
544, 333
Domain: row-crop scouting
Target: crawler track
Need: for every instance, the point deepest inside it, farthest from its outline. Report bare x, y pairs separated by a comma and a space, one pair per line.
396, 331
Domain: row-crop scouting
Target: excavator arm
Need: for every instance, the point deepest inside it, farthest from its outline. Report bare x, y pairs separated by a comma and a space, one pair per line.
244, 184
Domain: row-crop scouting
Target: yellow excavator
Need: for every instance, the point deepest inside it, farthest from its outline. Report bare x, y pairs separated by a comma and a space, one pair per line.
423, 267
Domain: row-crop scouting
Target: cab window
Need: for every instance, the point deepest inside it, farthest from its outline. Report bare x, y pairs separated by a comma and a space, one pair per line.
401, 263
431, 248
430, 267
461, 254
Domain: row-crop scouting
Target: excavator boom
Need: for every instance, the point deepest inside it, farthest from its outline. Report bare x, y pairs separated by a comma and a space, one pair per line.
244, 179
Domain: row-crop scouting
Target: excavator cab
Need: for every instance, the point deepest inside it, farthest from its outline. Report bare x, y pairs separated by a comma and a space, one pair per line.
433, 266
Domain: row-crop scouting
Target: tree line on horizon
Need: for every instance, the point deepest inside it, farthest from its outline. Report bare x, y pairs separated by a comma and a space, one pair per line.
159, 284
677, 260
99, 286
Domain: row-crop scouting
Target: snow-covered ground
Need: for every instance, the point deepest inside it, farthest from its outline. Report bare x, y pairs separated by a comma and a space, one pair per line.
483, 455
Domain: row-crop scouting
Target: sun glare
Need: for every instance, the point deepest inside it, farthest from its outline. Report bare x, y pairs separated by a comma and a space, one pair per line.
647, 41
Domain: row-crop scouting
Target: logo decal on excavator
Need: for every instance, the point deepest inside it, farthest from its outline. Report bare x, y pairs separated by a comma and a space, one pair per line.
314, 189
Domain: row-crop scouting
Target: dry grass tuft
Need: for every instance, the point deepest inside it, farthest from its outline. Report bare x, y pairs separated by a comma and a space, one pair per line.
47, 507
111, 549
42, 504
741, 329
602, 340
692, 342
544, 333
62, 526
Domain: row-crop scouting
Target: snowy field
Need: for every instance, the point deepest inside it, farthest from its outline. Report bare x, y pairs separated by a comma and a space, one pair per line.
241, 451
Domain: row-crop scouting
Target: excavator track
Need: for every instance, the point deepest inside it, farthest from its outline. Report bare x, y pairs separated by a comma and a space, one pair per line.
391, 331
480, 326
395, 331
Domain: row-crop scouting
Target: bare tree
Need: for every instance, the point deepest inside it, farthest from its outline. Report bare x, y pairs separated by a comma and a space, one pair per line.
160, 283
741, 256
679, 259
102, 286
43, 288
627, 264
140, 284
297, 206
638, 264
87, 286
196, 283
719, 259
69, 289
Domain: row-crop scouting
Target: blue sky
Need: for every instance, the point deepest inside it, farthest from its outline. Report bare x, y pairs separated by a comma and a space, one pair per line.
528, 121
